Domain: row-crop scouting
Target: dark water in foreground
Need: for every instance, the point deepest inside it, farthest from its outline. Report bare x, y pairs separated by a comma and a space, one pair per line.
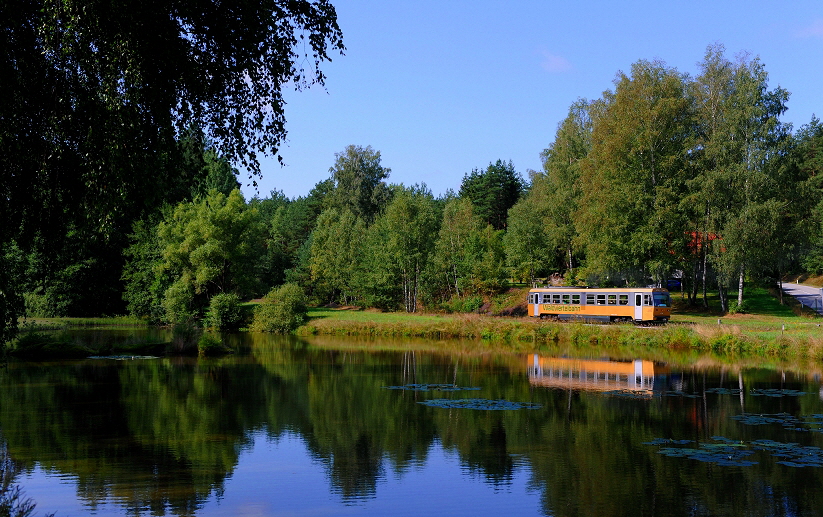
286, 428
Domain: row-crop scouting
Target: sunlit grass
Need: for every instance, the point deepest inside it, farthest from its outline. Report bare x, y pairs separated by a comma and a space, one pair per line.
108, 321
768, 329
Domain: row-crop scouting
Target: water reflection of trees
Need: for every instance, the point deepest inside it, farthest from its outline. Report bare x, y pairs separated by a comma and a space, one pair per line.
163, 435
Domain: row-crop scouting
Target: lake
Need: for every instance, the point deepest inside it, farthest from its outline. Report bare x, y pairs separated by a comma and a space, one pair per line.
336, 426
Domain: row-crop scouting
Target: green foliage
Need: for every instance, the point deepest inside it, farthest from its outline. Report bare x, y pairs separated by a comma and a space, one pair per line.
555, 192
738, 308
37, 306
464, 304
39, 346
225, 312
635, 173
529, 252
185, 336
11, 302
145, 284
208, 246
358, 182
95, 108
336, 247
493, 191
210, 345
282, 310
178, 303
397, 250
746, 191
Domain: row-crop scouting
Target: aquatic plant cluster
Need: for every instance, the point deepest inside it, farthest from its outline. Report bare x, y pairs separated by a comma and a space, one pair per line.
482, 404
479, 404
731, 453
756, 392
432, 387
804, 423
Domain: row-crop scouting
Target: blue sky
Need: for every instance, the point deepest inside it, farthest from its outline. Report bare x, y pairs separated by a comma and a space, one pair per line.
442, 87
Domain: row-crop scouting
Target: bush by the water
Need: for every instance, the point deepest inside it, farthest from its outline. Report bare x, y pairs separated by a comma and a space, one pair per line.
210, 344
225, 312
185, 337
282, 310
39, 346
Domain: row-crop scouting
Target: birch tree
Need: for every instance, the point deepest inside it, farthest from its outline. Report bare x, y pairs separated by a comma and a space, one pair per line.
635, 173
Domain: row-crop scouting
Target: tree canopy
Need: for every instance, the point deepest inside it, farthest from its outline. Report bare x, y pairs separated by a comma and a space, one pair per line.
97, 95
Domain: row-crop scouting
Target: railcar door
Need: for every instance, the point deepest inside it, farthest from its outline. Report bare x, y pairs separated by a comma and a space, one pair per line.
638, 306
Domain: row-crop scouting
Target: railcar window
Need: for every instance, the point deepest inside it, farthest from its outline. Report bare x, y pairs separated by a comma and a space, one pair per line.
556, 298
567, 299
589, 299
575, 299
647, 299
662, 300
601, 299
612, 299
623, 299
547, 298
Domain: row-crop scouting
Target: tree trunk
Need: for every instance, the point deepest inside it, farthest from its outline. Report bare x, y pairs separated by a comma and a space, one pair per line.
705, 275
740, 288
724, 301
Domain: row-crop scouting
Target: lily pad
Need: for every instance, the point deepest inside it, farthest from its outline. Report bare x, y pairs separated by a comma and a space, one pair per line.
770, 392
667, 441
807, 423
726, 453
724, 391
681, 394
432, 387
123, 357
629, 394
796, 455
482, 404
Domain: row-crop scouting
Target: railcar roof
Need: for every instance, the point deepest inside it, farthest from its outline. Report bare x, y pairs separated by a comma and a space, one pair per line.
593, 289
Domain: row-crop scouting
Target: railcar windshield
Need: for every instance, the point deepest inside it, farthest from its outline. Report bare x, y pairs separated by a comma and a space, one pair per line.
662, 299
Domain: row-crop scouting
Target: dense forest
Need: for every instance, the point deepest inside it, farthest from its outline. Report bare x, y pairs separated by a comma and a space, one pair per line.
665, 176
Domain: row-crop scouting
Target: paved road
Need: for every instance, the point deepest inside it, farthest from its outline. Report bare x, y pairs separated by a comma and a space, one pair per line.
807, 295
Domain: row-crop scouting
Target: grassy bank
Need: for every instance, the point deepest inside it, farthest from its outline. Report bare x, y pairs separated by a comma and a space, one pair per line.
768, 330
87, 323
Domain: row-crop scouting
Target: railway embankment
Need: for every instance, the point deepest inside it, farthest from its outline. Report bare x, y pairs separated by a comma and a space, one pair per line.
767, 329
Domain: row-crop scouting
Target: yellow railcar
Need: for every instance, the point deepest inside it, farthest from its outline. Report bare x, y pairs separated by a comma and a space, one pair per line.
605, 305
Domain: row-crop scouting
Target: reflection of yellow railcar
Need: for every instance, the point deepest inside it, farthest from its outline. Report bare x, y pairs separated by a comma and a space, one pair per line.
593, 304
639, 376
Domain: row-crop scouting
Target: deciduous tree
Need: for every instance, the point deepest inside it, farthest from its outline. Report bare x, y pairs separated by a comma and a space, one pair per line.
635, 174
96, 95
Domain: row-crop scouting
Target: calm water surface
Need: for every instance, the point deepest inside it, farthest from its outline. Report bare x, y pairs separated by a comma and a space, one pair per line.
287, 427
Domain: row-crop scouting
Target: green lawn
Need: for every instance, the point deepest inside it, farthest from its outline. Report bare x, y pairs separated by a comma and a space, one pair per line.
373, 316
765, 318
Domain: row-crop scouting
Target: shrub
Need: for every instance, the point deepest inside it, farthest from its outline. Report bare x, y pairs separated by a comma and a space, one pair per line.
225, 312
210, 344
185, 337
735, 308
464, 304
42, 346
282, 310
